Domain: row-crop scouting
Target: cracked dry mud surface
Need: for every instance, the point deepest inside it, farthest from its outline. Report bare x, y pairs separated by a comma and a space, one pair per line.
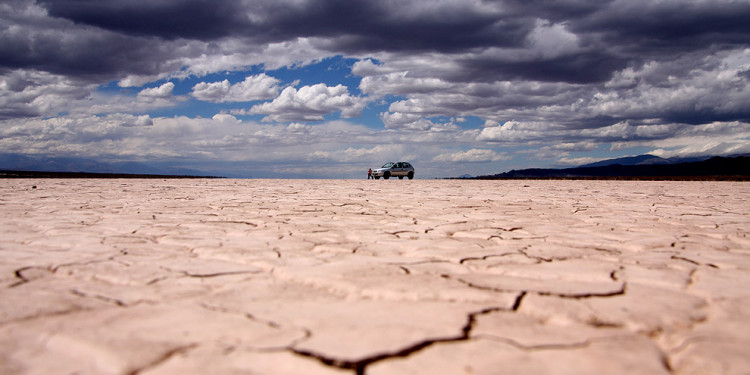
374, 277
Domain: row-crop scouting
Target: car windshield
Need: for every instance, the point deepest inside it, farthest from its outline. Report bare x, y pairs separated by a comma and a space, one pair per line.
387, 165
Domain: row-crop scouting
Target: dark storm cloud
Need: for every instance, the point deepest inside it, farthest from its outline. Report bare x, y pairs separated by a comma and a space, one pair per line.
360, 25
581, 67
559, 10
85, 55
381, 26
613, 34
191, 19
109, 39
577, 43
647, 25
29, 39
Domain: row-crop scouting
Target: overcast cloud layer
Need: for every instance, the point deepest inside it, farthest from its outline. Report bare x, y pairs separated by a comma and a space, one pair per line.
459, 86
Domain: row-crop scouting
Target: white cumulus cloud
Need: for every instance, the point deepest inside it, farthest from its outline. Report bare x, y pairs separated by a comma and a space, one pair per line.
156, 95
161, 92
411, 121
310, 103
257, 87
513, 131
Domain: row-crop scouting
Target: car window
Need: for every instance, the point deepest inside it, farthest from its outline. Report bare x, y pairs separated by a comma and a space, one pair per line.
407, 165
387, 165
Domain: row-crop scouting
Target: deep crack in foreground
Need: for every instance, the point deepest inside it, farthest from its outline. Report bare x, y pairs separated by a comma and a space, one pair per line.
360, 365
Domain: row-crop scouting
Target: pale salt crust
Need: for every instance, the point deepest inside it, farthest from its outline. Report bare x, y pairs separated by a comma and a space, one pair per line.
376, 277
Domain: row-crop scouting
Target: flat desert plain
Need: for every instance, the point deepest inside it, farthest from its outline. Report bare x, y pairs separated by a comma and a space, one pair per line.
374, 277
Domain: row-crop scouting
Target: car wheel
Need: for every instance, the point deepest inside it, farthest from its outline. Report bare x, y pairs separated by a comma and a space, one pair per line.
400, 177
377, 177
387, 175
411, 175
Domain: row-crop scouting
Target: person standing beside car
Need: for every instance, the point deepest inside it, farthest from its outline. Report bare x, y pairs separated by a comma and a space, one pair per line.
369, 174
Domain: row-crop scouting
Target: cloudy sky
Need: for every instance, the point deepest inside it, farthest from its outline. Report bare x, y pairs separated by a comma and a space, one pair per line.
328, 88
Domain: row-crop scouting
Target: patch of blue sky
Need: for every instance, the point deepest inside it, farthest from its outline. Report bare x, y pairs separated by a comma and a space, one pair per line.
113, 88
370, 115
469, 122
332, 71
466, 122
193, 108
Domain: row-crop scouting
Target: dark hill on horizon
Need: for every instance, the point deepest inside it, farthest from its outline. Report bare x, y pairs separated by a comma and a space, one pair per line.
647, 159
629, 160
642, 167
16, 165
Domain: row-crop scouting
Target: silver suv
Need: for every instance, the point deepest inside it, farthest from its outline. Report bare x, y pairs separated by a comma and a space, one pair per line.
401, 169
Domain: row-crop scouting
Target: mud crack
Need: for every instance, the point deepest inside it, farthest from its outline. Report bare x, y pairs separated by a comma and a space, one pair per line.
618, 292
469, 259
100, 297
359, 366
165, 357
27, 274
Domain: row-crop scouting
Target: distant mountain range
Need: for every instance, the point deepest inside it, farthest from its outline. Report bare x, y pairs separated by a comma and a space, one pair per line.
647, 159
641, 167
16, 162
645, 167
